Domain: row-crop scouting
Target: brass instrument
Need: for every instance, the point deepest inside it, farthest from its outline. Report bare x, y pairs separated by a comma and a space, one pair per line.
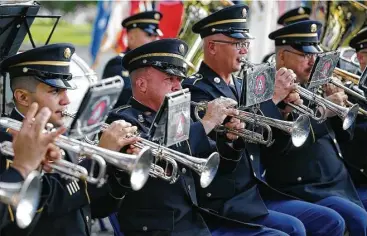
66, 169
341, 21
348, 115
136, 165
205, 168
196, 10
24, 197
298, 129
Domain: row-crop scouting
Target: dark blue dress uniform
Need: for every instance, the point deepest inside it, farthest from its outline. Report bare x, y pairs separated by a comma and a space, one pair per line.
64, 207
316, 171
238, 192
160, 208
148, 22
353, 142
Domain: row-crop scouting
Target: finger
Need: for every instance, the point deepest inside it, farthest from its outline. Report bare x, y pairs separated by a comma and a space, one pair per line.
13, 132
231, 112
281, 71
232, 136
28, 118
54, 134
41, 120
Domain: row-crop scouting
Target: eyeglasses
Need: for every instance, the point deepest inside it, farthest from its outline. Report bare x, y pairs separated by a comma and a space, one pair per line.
306, 56
239, 45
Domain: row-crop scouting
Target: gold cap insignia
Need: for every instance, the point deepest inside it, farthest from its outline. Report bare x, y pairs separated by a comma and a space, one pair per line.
157, 16
244, 12
301, 11
313, 28
125, 73
67, 53
181, 49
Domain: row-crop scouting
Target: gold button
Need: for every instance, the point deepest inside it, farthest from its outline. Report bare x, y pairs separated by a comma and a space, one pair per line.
183, 170
208, 194
299, 179
145, 228
362, 170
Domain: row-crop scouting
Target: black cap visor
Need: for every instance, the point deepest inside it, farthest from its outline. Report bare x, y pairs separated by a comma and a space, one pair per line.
310, 48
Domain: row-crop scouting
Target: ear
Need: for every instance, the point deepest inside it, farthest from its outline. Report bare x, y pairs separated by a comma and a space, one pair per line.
212, 48
280, 58
141, 84
22, 97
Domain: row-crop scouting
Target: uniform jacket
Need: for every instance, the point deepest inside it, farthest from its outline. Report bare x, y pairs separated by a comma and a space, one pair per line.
160, 206
235, 192
114, 67
64, 207
311, 172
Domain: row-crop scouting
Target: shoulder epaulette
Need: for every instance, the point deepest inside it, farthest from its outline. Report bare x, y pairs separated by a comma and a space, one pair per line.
198, 77
120, 108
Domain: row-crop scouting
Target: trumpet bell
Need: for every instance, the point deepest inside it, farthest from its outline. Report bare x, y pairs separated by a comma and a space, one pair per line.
350, 116
140, 171
209, 170
301, 130
29, 198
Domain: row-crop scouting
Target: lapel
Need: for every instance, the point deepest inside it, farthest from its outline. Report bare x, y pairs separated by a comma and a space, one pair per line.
16, 115
145, 114
238, 87
216, 81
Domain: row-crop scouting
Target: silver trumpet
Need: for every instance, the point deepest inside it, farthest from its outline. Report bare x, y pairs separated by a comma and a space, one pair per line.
298, 130
205, 168
137, 166
24, 197
66, 169
348, 115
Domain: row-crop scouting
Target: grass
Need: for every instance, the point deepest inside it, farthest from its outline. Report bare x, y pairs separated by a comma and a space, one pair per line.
79, 35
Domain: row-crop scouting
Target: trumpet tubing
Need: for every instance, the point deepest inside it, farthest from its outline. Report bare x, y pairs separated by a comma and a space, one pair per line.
348, 115
23, 197
136, 165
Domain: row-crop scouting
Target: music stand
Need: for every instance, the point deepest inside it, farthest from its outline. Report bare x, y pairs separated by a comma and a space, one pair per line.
258, 84
323, 68
171, 125
95, 106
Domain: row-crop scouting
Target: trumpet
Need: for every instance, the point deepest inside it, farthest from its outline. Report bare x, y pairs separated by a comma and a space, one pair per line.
24, 197
205, 168
137, 166
66, 169
348, 115
298, 130
353, 79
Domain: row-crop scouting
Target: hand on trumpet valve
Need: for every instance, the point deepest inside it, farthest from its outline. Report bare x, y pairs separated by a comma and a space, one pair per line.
31, 143
294, 98
330, 89
234, 124
284, 84
338, 98
53, 153
217, 111
118, 135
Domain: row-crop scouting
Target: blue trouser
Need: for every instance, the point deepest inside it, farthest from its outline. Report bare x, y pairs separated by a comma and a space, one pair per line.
355, 217
244, 231
362, 192
317, 220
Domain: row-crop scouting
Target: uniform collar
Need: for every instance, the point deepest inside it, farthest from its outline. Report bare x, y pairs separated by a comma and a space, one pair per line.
15, 114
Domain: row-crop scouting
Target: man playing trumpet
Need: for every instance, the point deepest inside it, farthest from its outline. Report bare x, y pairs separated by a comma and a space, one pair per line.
42, 75
235, 193
314, 172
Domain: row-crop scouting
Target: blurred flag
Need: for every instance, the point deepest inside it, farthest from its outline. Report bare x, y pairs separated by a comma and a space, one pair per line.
99, 27
172, 17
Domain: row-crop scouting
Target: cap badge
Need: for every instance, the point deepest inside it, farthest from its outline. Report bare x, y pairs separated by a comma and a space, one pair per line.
67, 53
244, 12
313, 28
141, 118
181, 49
156, 16
125, 73
25, 69
216, 80
134, 25
301, 11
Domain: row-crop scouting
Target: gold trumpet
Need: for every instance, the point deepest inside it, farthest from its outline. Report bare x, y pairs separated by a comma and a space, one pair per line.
298, 130
137, 166
205, 168
24, 197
